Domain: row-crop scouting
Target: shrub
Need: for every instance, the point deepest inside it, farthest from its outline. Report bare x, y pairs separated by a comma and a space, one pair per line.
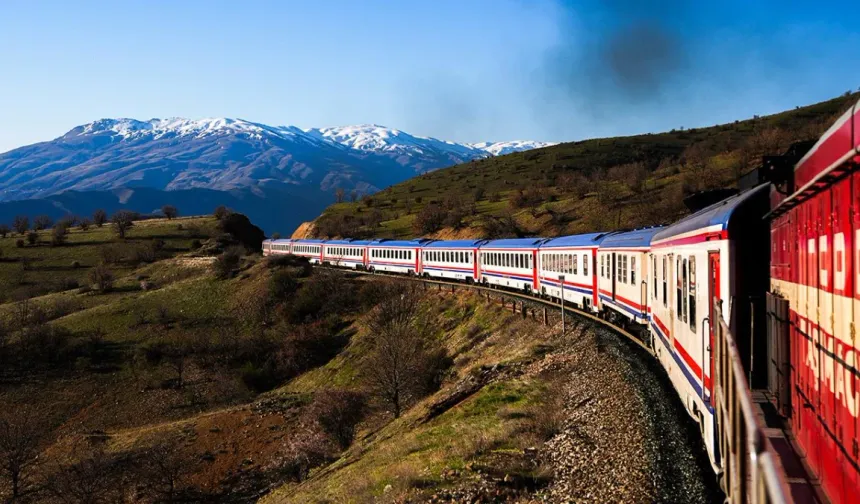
220, 212
59, 234
21, 224
195, 244
85, 224
338, 412
242, 230
226, 263
42, 222
101, 278
122, 221
99, 217
430, 219
282, 285
169, 211
32, 237
4, 230
19, 243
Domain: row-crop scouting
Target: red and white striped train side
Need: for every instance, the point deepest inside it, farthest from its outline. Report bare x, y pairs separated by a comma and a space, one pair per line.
815, 265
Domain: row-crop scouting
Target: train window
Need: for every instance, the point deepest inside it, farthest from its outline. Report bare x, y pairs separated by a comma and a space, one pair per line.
462, 257
585, 264
665, 282
602, 264
574, 266
633, 270
624, 262
692, 293
685, 277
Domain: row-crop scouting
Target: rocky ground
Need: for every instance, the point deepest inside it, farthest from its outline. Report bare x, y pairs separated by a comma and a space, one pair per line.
623, 435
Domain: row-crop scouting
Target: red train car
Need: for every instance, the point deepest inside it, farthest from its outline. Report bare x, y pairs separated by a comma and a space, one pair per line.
815, 267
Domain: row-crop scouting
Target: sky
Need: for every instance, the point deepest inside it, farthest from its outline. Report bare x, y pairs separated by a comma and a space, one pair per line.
462, 70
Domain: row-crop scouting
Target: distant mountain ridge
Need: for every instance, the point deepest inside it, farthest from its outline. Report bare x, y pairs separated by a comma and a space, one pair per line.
293, 170
227, 154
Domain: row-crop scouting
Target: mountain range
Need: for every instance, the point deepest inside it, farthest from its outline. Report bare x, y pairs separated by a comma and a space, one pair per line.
278, 175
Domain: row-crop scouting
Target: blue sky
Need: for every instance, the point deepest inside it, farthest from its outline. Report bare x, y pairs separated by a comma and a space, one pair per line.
468, 70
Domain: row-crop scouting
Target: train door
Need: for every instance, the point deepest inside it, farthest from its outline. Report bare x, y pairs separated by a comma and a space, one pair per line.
644, 265
671, 304
713, 295
614, 274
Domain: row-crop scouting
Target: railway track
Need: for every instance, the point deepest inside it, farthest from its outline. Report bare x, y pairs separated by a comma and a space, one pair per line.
640, 340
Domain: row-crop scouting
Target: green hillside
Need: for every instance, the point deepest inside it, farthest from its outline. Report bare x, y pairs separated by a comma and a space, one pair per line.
590, 185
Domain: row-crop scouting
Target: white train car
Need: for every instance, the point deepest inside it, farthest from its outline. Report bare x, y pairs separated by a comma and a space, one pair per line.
573, 258
712, 255
395, 256
455, 259
312, 249
510, 263
346, 253
623, 273
274, 247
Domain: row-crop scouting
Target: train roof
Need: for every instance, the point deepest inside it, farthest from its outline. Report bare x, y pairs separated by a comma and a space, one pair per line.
398, 243
635, 238
312, 241
454, 244
347, 242
717, 214
279, 240
514, 243
581, 240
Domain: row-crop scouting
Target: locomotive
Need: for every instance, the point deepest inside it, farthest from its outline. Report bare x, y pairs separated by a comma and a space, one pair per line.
775, 264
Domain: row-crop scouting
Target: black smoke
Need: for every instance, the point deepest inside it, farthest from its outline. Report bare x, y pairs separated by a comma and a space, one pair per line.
617, 53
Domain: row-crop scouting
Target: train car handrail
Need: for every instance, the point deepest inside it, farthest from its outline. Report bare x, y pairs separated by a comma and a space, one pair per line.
751, 472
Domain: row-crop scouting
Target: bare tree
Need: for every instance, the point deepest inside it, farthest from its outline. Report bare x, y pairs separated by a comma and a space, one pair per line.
338, 412
59, 234
403, 360
339, 194
353, 196
99, 217
32, 237
122, 221
20, 433
4, 230
165, 470
90, 476
21, 224
169, 211
42, 222
220, 212
101, 278
85, 224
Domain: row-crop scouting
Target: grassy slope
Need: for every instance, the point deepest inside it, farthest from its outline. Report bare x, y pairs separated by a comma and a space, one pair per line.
583, 186
237, 433
411, 453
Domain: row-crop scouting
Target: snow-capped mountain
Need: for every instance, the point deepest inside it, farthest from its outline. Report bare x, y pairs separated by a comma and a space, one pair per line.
224, 154
502, 148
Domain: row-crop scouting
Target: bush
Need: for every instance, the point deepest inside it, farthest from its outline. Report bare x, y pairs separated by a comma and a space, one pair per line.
99, 217
226, 263
282, 285
220, 212
85, 224
195, 244
430, 219
42, 222
169, 211
32, 237
242, 230
4, 230
122, 221
101, 278
19, 243
338, 412
59, 234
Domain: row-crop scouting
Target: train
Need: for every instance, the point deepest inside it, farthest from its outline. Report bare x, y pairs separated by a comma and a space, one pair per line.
775, 262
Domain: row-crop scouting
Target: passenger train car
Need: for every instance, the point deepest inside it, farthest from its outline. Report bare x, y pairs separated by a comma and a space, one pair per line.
510, 263
455, 259
622, 279
567, 265
790, 239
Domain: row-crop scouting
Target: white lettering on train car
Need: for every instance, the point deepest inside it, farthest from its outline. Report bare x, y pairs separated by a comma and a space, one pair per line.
822, 263
839, 274
837, 376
